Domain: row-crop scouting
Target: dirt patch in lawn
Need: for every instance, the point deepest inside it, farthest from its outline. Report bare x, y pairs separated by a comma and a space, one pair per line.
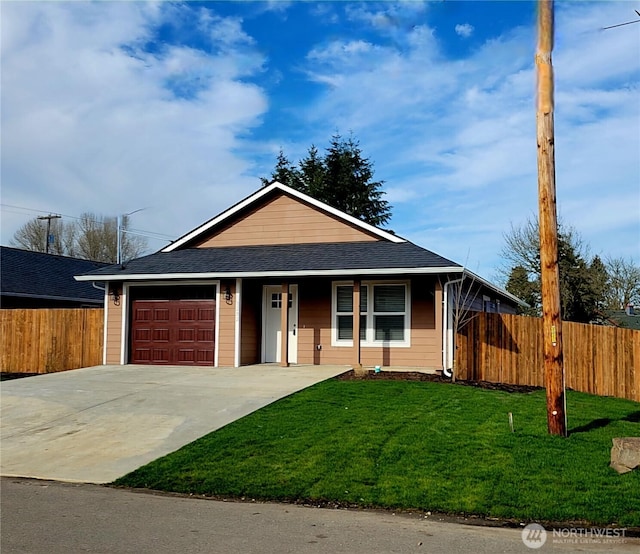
418, 376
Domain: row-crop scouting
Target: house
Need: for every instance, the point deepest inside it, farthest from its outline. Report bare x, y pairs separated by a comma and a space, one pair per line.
36, 280
353, 293
627, 318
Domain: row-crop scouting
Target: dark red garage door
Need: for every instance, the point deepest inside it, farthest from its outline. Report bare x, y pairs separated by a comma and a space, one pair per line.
174, 332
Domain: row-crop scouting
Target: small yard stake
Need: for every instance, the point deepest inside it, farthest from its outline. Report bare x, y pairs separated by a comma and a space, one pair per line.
511, 421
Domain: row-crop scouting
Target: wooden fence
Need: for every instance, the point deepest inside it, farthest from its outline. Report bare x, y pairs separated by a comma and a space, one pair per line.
48, 340
508, 349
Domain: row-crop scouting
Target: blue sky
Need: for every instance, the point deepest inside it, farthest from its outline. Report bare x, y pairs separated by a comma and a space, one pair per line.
180, 108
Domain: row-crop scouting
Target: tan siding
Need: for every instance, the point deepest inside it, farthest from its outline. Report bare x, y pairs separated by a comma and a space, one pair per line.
226, 330
113, 343
285, 220
426, 334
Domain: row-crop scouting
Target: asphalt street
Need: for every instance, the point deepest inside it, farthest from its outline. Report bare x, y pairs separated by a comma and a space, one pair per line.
67, 518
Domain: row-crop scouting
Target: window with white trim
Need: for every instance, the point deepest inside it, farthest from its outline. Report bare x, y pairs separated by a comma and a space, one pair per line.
344, 312
384, 314
389, 306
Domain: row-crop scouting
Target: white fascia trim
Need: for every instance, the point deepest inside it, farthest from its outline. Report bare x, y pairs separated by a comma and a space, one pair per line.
298, 273
266, 190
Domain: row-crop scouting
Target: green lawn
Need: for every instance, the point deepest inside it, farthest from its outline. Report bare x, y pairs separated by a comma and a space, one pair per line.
417, 445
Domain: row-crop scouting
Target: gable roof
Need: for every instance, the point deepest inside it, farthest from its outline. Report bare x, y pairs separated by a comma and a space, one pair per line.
30, 274
351, 258
260, 196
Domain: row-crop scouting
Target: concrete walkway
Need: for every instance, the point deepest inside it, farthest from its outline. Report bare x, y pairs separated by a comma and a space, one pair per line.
96, 424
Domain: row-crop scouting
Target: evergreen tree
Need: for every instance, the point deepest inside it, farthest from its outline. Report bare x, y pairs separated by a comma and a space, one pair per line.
313, 173
525, 288
343, 179
285, 173
600, 283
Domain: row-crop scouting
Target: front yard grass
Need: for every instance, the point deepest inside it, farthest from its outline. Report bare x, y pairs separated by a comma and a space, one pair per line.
417, 445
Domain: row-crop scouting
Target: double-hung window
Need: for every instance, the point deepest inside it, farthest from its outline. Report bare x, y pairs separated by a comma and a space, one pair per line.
389, 312
344, 312
384, 314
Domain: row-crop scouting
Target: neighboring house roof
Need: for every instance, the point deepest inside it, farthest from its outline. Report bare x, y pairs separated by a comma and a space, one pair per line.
28, 274
258, 197
622, 319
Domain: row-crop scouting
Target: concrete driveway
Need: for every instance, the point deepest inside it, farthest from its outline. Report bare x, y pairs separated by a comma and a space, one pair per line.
96, 424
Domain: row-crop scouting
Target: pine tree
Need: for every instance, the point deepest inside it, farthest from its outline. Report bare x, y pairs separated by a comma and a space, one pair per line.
285, 173
343, 179
524, 288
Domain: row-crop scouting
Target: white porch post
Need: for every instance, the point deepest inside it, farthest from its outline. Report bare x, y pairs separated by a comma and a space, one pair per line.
284, 326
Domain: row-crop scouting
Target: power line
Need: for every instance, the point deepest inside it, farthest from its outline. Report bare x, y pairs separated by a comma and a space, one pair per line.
622, 24
149, 234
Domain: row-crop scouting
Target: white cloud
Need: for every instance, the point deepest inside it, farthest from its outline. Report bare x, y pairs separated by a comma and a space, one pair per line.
464, 30
455, 139
92, 120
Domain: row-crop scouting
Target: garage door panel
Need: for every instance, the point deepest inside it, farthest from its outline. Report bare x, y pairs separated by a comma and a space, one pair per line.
186, 355
206, 314
204, 357
161, 314
160, 356
186, 335
142, 314
161, 335
205, 335
178, 332
142, 355
188, 315
142, 335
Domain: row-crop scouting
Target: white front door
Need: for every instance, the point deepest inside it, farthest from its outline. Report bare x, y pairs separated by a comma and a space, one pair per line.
271, 319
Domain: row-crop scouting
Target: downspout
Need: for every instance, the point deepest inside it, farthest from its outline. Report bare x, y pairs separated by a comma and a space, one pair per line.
448, 342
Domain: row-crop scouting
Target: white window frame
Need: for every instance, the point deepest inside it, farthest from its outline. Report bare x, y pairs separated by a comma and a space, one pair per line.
370, 341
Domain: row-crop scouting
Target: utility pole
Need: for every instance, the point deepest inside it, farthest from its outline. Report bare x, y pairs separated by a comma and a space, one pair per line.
48, 218
549, 272
121, 220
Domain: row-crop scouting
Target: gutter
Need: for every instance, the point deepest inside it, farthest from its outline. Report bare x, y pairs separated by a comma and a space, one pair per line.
268, 274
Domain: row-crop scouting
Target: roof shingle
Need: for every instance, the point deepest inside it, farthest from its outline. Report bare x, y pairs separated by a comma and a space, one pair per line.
37, 275
348, 256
